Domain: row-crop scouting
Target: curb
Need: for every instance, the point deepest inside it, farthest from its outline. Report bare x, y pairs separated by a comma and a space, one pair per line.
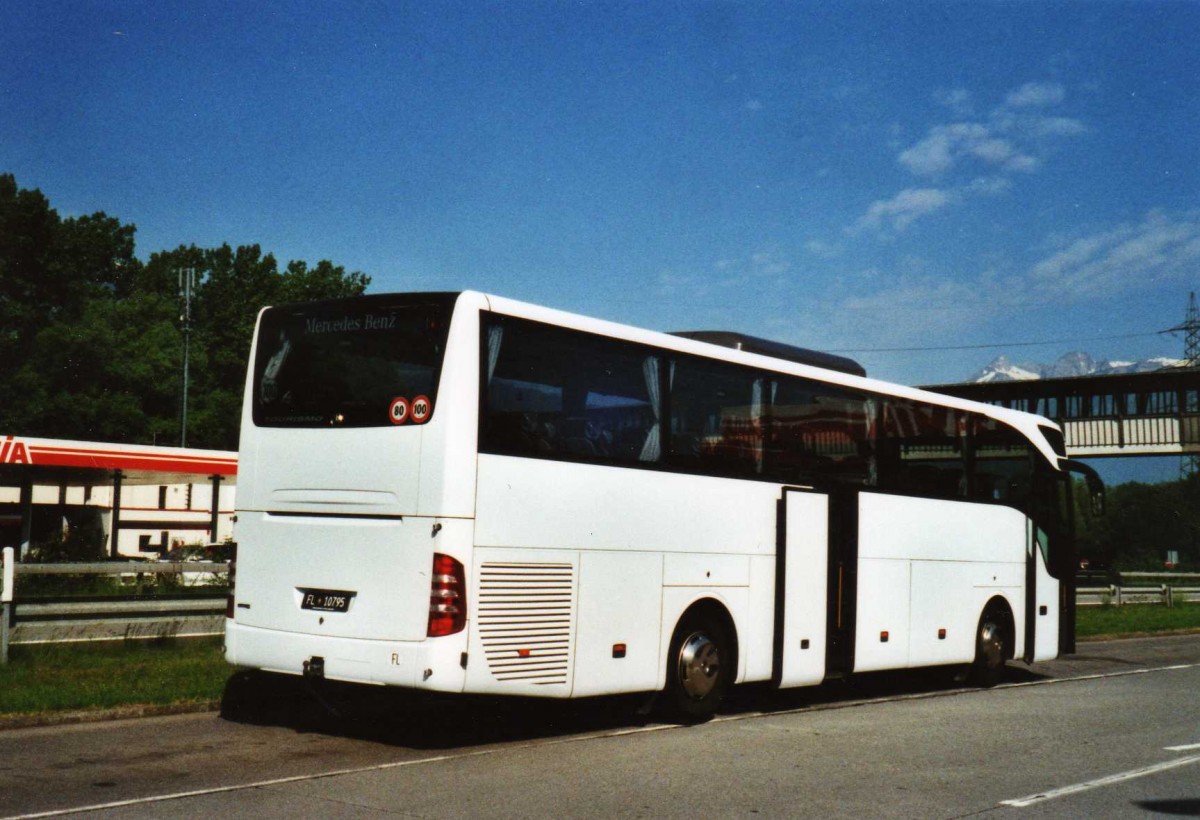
130, 712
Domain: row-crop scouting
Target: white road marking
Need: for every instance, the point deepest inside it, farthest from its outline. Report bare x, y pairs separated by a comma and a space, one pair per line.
1053, 794
162, 798
379, 767
1188, 748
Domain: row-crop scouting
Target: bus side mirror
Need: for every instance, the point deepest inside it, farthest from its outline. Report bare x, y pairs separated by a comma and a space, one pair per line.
1095, 485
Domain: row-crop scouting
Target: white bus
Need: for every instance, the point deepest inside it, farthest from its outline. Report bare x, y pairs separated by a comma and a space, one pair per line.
465, 493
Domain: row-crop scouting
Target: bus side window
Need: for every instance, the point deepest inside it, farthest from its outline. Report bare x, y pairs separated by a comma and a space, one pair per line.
716, 418
922, 449
1002, 466
559, 393
817, 432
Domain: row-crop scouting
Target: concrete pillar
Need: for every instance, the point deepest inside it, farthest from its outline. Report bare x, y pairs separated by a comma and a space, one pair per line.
26, 505
216, 508
115, 524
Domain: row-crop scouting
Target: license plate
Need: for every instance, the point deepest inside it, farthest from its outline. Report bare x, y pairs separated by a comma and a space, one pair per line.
326, 600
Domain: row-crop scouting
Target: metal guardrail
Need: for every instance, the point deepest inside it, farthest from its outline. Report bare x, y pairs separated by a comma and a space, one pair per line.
39, 619
1163, 595
1163, 576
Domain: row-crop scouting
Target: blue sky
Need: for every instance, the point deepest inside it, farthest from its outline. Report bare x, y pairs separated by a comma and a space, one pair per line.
855, 176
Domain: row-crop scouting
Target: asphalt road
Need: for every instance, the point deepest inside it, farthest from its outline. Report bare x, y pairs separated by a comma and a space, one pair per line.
1111, 732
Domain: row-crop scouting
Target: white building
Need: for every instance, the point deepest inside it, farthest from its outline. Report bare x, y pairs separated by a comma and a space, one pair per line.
153, 499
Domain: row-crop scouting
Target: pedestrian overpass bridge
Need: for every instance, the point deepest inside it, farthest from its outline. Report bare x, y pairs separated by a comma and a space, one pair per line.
1129, 414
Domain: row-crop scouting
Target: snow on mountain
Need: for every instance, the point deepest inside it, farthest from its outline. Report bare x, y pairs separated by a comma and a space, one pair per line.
1002, 370
1075, 363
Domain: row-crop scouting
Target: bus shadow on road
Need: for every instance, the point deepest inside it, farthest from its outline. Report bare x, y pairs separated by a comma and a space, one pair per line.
864, 688
422, 720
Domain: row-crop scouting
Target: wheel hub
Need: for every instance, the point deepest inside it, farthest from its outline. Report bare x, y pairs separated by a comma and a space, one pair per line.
991, 641
699, 665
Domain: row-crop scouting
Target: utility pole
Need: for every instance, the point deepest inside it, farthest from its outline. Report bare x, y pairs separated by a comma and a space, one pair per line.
1189, 465
187, 282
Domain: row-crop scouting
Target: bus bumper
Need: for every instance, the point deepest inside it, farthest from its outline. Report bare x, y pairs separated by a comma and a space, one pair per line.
436, 664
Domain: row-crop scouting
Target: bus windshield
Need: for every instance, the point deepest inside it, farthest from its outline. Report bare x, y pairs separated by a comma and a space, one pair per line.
346, 363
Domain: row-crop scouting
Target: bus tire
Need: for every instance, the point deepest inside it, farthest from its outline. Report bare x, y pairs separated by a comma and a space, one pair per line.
700, 666
992, 646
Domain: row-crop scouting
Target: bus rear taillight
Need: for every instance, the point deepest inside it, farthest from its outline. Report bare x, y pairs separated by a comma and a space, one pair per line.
232, 574
447, 597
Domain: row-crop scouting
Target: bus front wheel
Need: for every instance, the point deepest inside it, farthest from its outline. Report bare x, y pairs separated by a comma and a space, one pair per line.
700, 666
991, 647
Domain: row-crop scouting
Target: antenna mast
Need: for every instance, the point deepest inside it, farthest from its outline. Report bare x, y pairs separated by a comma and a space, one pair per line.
187, 282
1189, 465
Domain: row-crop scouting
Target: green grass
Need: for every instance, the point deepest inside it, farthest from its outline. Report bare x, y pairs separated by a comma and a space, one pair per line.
68, 677
1134, 619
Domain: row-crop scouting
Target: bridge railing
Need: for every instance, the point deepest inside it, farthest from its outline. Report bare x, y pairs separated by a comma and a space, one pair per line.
1142, 432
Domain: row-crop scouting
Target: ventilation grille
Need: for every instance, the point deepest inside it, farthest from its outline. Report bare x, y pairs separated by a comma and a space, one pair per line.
525, 621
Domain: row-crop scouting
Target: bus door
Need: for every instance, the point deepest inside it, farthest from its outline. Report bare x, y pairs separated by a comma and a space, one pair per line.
1052, 539
814, 580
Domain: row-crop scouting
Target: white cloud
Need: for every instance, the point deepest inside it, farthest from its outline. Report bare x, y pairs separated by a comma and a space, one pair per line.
997, 141
1121, 259
823, 249
946, 145
900, 305
1035, 95
988, 186
766, 263
1058, 126
957, 100
1023, 162
734, 272
899, 212
1011, 140
931, 156
995, 151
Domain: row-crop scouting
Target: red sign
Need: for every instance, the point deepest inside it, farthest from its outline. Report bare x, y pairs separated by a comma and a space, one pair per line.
13, 452
421, 408
398, 410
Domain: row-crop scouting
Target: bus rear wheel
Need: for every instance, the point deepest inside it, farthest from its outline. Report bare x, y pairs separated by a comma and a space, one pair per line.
700, 666
991, 647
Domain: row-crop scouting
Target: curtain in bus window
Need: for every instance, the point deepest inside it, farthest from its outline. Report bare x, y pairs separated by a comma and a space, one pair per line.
871, 419
652, 448
495, 335
756, 413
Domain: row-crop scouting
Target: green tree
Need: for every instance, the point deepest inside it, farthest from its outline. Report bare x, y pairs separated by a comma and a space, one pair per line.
90, 337
1144, 522
54, 273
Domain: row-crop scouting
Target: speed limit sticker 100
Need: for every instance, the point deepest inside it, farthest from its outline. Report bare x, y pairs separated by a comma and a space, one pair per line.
420, 410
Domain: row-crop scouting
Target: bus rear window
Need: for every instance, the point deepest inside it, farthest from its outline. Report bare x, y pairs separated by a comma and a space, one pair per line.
364, 362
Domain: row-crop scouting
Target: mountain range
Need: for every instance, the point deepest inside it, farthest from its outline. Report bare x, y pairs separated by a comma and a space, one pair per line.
1069, 364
